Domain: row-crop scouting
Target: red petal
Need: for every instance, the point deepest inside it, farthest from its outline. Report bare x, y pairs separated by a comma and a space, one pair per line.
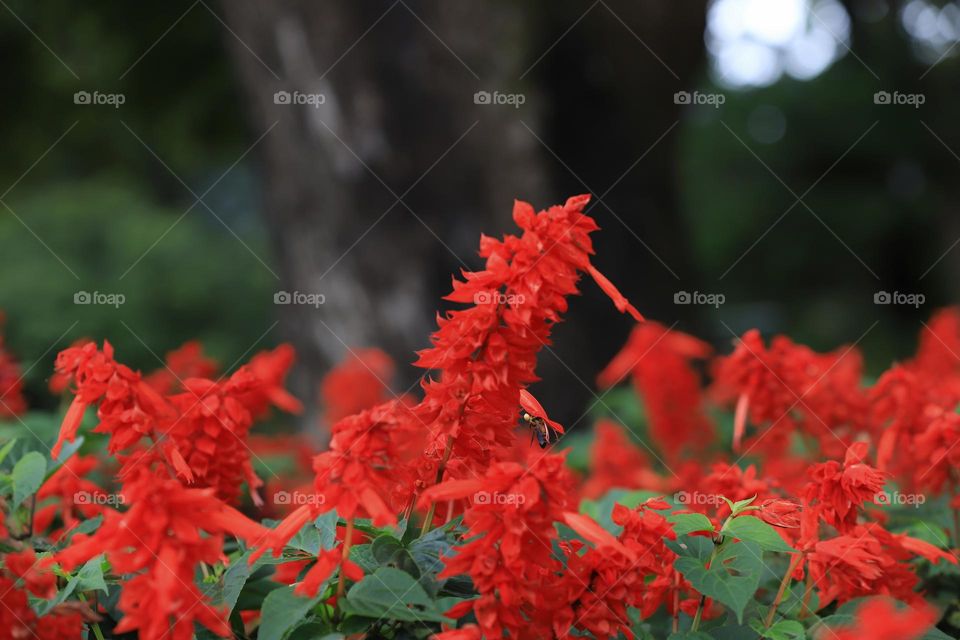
740, 420
619, 301
71, 423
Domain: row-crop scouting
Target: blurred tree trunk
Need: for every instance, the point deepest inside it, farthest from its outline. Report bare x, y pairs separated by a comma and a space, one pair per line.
614, 123
399, 83
398, 122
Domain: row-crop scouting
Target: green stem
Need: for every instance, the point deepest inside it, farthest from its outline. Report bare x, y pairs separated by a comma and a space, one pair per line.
95, 626
347, 540
96, 631
433, 506
699, 614
783, 589
717, 545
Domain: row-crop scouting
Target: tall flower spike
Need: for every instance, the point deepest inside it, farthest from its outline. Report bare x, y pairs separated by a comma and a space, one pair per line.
485, 354
165, 534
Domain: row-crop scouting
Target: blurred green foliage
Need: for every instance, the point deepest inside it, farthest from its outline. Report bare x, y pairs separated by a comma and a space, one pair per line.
196, 282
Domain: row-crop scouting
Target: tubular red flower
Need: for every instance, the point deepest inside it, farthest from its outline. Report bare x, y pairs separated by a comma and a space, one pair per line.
660, 363
161, 539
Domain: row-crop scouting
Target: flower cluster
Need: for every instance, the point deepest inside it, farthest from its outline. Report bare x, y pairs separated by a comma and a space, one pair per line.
761, 495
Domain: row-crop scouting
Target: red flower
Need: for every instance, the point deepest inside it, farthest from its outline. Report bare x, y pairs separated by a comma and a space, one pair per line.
879, 619
68, 495
838, 491
486, 354
129, 409
270, 369
508, 554
615, 462
12, 402
187, 361
366, 473
789, 386
659, 362
869, 560
18, 621
24, 565
359, 382
211, 433
160, 541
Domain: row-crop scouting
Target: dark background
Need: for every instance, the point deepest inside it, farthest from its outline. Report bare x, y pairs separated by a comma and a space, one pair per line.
199, 197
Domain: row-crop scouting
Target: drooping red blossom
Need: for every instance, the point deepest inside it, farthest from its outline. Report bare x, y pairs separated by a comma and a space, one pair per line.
211, 432
789, 387
186, 361
869, 560
938, 352
880, 619
12, 401
778, 512
359, 382
616, 462
659, 362
508, 552
635, 569
270, 369
912, 404
838, 491
69, 495
129, 409
25, 566
160, 540
18, 621
365, 473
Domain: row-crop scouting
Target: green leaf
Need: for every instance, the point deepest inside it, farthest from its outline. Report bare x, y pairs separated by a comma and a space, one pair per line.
690, 635
684, 523
694, 546
89, 578
226, 590
782, 630
756, 530
6, 449
307, 539
393, 595
27, 476
68, 449
326, 524
732, 578
741, 505
362, 555
282, 610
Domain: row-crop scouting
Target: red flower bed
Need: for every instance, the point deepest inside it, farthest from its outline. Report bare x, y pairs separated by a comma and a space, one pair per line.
771, 491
